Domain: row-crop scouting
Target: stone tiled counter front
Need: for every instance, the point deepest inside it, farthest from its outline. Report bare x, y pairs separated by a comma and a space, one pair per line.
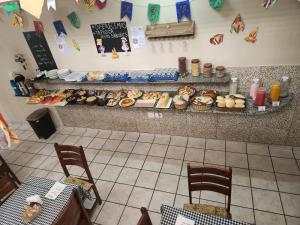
265, 127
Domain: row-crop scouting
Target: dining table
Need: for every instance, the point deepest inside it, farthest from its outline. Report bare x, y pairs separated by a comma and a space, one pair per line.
12, 210
169, 216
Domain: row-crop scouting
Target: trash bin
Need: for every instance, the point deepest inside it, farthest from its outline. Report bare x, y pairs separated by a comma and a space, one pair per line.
41, 122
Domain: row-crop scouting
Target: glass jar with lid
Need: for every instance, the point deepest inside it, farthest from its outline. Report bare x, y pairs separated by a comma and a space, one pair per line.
182, 66
207, 70
285, 86
195, 68
233, 86
220, 71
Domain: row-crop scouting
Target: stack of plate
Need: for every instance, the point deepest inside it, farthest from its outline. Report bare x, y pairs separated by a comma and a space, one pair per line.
52, 74
63, 73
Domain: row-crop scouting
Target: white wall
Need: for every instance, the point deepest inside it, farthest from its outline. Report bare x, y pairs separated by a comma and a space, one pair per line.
278, 40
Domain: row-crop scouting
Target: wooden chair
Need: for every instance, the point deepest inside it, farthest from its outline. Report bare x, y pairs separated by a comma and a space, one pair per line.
73, 155
74, 212
145, 218
209, 179
5, 170
7, 187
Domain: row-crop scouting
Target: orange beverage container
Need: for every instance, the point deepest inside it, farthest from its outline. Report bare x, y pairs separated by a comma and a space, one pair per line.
275, 92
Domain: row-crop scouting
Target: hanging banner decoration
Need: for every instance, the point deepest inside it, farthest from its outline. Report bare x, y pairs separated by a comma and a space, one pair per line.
11, 7
237, 25
51, 4
34, 9
7, 136
76, 45
17, 21
183, 9
101, 4
38, 26
252, 36
110, 36
138, 37
153, 13
89, 4
216, 39
216, 4
268, 3
126, 9
59, 27
74, 19
61, 43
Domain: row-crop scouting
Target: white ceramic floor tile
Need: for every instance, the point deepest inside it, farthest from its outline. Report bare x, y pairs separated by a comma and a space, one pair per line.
267, 201
266, 218
120, 194
147, 179
160, 198
140, 197
110, 214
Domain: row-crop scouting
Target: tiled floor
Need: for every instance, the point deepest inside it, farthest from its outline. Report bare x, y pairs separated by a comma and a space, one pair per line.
133, 170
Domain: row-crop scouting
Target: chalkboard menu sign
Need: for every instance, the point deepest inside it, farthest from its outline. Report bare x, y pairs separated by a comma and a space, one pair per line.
40, 50
109, 36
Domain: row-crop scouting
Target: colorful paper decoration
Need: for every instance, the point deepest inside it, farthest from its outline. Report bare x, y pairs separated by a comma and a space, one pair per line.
252, 36
268, 3
237, 25
74, 19
89, 4
34, 9
8, 135
101, 4
59, 27
153, 13
51, 4
76, 45
216, 4
17, 21
114, 54
126, 9
61, 43
100, 46
38, 26
11, 7
216, 39
183, 9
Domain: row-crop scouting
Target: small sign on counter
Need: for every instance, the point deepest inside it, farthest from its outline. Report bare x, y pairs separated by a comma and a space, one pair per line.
276, 103
261, 108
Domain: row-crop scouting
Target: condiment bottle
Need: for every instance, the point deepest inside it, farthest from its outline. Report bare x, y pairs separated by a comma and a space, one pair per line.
253, 88
285, 86
260, 97
220, 71
275, 92
195, 67
182, 66
233, 86
207, 70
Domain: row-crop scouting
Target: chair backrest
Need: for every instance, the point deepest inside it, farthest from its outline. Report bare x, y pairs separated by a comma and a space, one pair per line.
7, 186
5, 170
74, 212
210, 179
72, 155
145, 218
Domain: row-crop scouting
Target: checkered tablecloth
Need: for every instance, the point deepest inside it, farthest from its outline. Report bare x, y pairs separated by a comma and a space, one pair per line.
169, 215
11, 212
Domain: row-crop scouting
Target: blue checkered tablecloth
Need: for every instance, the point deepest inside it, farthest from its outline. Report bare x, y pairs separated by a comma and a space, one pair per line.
12, 210
169, 215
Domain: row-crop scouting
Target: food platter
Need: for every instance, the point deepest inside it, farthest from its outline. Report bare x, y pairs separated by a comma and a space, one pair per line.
126, 102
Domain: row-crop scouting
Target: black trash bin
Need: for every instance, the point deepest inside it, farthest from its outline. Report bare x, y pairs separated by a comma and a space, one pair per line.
41, 122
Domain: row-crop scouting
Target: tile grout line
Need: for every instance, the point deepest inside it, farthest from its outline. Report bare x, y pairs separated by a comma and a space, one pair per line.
250, 180
277, 186
133, 186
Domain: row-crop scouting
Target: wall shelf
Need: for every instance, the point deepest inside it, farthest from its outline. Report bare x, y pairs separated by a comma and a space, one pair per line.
169, 30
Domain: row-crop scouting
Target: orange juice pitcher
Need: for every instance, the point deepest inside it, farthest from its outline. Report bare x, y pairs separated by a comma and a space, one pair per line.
275, 92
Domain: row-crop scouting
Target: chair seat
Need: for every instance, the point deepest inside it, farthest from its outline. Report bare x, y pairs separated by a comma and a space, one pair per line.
80, 182
208, 209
